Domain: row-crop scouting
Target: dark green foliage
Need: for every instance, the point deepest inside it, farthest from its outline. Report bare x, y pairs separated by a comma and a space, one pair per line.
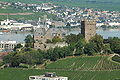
115, 44
13, 59
98, 41
57, 53
27, 57
29, 40
90, 48
80, 47
72, 38
107, 49
17, 47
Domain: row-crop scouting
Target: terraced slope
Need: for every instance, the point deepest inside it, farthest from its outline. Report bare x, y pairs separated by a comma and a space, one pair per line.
84, 63
76, 68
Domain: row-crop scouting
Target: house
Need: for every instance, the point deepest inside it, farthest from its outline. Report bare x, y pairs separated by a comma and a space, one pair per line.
7, 45
48, 76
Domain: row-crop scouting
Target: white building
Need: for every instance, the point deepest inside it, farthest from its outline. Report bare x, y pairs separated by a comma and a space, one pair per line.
9, 45
47, 76
13, 25
114, 24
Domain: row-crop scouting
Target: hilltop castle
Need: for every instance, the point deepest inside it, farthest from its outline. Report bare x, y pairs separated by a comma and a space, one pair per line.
88, 29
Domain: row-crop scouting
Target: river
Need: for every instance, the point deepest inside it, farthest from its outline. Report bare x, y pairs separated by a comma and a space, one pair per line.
19, 37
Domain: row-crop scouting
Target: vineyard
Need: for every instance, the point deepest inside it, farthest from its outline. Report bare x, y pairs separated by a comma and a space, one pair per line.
84, 63
76, 68
23, 74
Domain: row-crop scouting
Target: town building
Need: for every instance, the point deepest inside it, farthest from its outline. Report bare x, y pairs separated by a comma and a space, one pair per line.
88, 29
48, 76
14, 25
7, 45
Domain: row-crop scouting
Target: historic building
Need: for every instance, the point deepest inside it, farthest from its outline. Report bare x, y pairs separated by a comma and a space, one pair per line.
42, 35
88, 29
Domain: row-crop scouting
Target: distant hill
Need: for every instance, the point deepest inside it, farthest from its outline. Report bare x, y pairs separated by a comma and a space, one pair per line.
101, 4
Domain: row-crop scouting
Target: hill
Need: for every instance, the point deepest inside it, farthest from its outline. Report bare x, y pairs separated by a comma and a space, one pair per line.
84, 63
76, 68
112, 5
101, 4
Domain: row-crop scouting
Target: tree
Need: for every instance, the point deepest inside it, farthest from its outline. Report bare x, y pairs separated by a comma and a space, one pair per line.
90, 48
13, 59
17, 47
80, 47
114, 44
29, 41
98, 41
107, 49
72, 38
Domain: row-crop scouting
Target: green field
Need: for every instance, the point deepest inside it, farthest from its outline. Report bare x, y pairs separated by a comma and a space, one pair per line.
34, 16
77, 68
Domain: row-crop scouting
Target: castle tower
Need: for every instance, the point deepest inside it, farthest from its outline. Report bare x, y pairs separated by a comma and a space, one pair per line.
88, 29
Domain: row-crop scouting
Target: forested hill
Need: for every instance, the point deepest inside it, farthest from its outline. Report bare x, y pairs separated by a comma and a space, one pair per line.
101, 4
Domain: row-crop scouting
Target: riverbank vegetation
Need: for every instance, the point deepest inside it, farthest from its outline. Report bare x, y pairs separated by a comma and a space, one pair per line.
77, 46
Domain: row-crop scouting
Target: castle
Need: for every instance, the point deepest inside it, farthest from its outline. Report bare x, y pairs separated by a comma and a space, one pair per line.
88, 29
42, 35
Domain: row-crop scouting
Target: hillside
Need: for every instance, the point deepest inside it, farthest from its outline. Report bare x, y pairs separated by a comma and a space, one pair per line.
84, 63
76, 68
101, 4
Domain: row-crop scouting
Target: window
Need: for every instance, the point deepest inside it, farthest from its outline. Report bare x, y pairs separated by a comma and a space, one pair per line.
32, 77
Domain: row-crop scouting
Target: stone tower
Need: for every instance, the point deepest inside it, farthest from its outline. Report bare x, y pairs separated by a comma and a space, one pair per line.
88, 29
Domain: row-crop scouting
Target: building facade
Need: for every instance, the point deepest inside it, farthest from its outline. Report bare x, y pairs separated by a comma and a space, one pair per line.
41, 35
7, 45
47, 76
88, 29
14, 25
